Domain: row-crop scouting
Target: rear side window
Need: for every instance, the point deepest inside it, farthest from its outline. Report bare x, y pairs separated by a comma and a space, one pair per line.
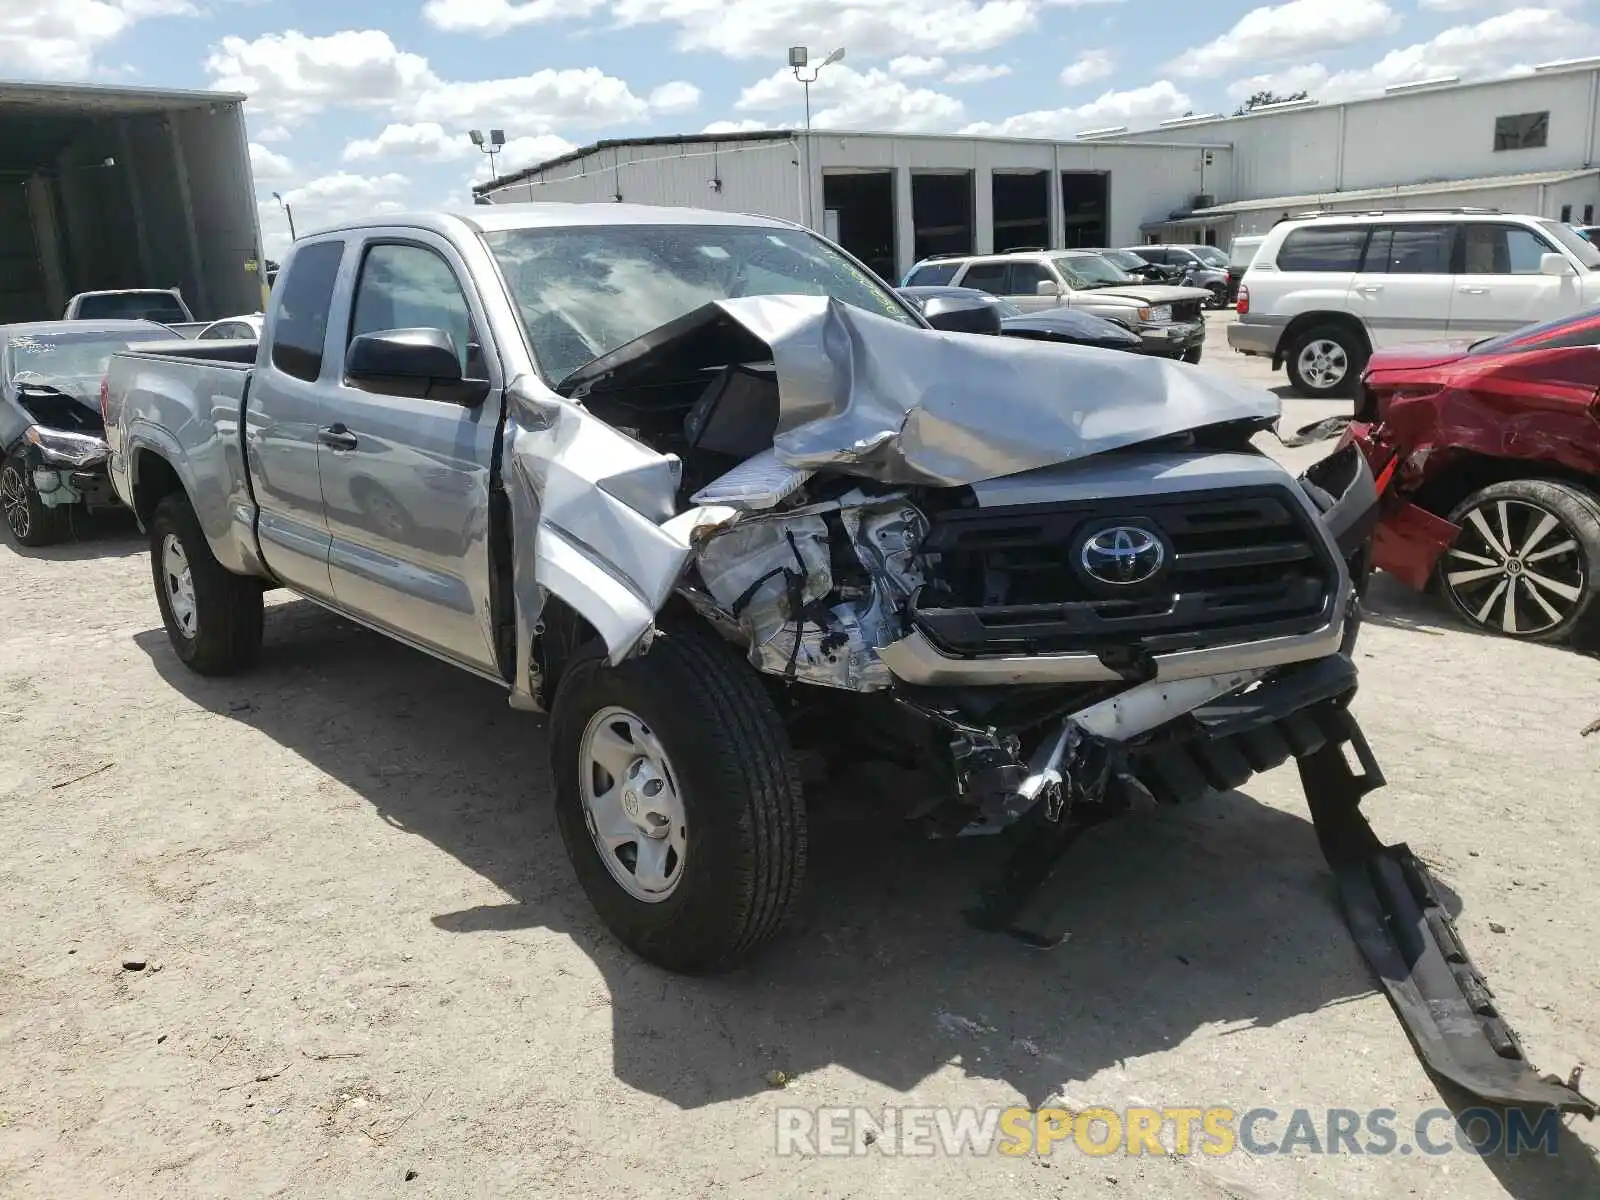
305, 296
935, 275
1409, 250
1503, 250
1320, 248
132, 306
987, 277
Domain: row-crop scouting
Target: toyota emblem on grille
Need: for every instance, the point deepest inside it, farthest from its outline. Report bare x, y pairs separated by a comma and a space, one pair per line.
1123, 554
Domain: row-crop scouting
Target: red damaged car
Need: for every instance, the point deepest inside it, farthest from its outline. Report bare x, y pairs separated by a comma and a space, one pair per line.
1487, 459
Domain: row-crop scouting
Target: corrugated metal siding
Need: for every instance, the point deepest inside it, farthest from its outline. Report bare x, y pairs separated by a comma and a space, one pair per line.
757, 177
222, 191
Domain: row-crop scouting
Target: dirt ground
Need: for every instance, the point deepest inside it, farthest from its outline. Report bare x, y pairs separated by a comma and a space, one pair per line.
370, 971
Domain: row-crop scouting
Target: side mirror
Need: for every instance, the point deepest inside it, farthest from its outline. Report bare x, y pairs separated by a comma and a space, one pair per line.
1047, 287
417, 355
954, 315
1555, 264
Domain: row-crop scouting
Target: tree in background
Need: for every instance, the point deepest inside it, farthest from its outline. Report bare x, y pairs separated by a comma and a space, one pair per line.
1262, 98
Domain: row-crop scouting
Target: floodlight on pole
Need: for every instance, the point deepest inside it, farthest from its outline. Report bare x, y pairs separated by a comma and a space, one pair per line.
287, 212
799, 62
490, 146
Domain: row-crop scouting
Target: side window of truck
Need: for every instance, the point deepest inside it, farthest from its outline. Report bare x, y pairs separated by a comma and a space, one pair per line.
304, 300
411, 287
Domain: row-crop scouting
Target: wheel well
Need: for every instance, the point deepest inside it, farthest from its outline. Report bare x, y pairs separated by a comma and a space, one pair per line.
1468, 472
153, 479
563, 632
1310, 320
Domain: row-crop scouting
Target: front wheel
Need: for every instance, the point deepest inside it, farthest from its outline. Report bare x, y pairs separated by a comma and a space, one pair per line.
677, 800
28, 518
1326, 362
213, 617
1527, 561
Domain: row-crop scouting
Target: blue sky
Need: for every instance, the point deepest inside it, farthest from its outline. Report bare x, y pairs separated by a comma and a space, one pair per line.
363, 106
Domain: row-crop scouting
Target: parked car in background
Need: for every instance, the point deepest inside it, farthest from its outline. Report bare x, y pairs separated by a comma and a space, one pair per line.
1488, 461
1065, 325
52, 437
1168, 319
246, 328
163, 305
1241, 253
1197, 266
1325, 291
1134, 265
1588, 232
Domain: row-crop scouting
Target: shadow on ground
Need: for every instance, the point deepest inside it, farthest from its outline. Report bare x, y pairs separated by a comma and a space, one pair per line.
1220, 913
103, 535
1391, 604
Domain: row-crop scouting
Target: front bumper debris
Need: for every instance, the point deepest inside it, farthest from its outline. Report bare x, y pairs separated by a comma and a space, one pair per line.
59, 484
1087, 774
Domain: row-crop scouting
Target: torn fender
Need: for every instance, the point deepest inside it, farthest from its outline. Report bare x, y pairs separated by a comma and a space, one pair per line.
592, 523
902, 404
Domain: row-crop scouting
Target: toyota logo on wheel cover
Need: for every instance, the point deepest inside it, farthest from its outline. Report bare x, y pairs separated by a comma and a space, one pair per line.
1124, 554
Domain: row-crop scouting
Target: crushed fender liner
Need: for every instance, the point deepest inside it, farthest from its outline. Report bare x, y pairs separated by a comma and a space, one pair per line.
1412, 945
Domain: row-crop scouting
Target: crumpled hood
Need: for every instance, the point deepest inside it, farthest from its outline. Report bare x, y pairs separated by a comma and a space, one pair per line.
1149, 293
901, 404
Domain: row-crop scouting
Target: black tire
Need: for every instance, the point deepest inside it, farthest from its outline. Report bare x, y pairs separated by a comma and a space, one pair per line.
1352, 353
1192, 355
225, 636
1551, 581
731, 767
31, 523
1219, 296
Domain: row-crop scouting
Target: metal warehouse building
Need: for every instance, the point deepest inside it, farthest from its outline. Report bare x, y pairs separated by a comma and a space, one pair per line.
893, 198
1523, 144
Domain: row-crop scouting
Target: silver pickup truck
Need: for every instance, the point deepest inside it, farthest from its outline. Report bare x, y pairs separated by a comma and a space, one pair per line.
745, 524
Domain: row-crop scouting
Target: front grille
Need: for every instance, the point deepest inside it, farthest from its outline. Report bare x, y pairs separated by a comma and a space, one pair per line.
1239, 565
1186, 310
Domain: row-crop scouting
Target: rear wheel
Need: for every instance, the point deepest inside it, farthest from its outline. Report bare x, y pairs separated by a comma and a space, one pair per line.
212, 616
1326, 361
1192, 354
1527, 561
31, 522
678, 801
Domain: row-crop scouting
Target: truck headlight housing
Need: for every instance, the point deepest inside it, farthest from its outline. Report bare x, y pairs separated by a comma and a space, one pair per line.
67, 449
1161, 314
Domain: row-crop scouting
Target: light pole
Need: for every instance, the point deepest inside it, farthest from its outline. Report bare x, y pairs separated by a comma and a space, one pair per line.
287, 212
799, 62
497, 139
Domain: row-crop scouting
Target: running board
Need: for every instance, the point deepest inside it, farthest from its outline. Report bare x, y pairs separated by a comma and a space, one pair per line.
1410, 942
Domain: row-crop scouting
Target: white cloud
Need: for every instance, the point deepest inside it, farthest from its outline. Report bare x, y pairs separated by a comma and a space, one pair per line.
1501, 44
870, 28
977, 73
523, 152
330, 200
274, 133
1088, 67
908, 66
1137, 106
748, 125
267, 166
290, 76
500, 16
675, 97
1287, 31
844, 98
58, 39
426, 140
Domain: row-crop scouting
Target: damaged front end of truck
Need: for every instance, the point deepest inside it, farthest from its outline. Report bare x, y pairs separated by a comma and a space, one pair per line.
1037, 586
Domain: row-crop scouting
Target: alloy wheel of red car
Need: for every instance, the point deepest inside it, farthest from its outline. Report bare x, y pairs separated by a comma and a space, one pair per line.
1519, 567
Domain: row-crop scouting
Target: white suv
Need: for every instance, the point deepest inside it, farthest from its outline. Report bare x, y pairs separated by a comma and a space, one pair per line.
1326, 290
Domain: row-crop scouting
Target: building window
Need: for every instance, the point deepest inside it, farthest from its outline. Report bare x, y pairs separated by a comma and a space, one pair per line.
1523, 131
1566, 214
1588, 214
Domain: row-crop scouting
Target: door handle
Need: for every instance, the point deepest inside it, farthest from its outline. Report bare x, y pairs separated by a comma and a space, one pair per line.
1472, 291
336, 437
1369, 287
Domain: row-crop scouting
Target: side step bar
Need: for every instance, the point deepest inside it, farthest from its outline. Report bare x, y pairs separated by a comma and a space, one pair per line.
1410, 942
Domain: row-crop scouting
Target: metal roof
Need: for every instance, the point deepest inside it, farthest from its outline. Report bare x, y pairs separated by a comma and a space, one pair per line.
1362, 195
79, 98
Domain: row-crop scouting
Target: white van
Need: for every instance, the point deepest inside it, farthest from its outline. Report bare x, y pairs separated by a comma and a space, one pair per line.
1324, 291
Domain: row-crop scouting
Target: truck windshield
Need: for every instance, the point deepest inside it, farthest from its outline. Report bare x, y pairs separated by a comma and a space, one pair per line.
131, 306
584, 291
55, 359
1582, 248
